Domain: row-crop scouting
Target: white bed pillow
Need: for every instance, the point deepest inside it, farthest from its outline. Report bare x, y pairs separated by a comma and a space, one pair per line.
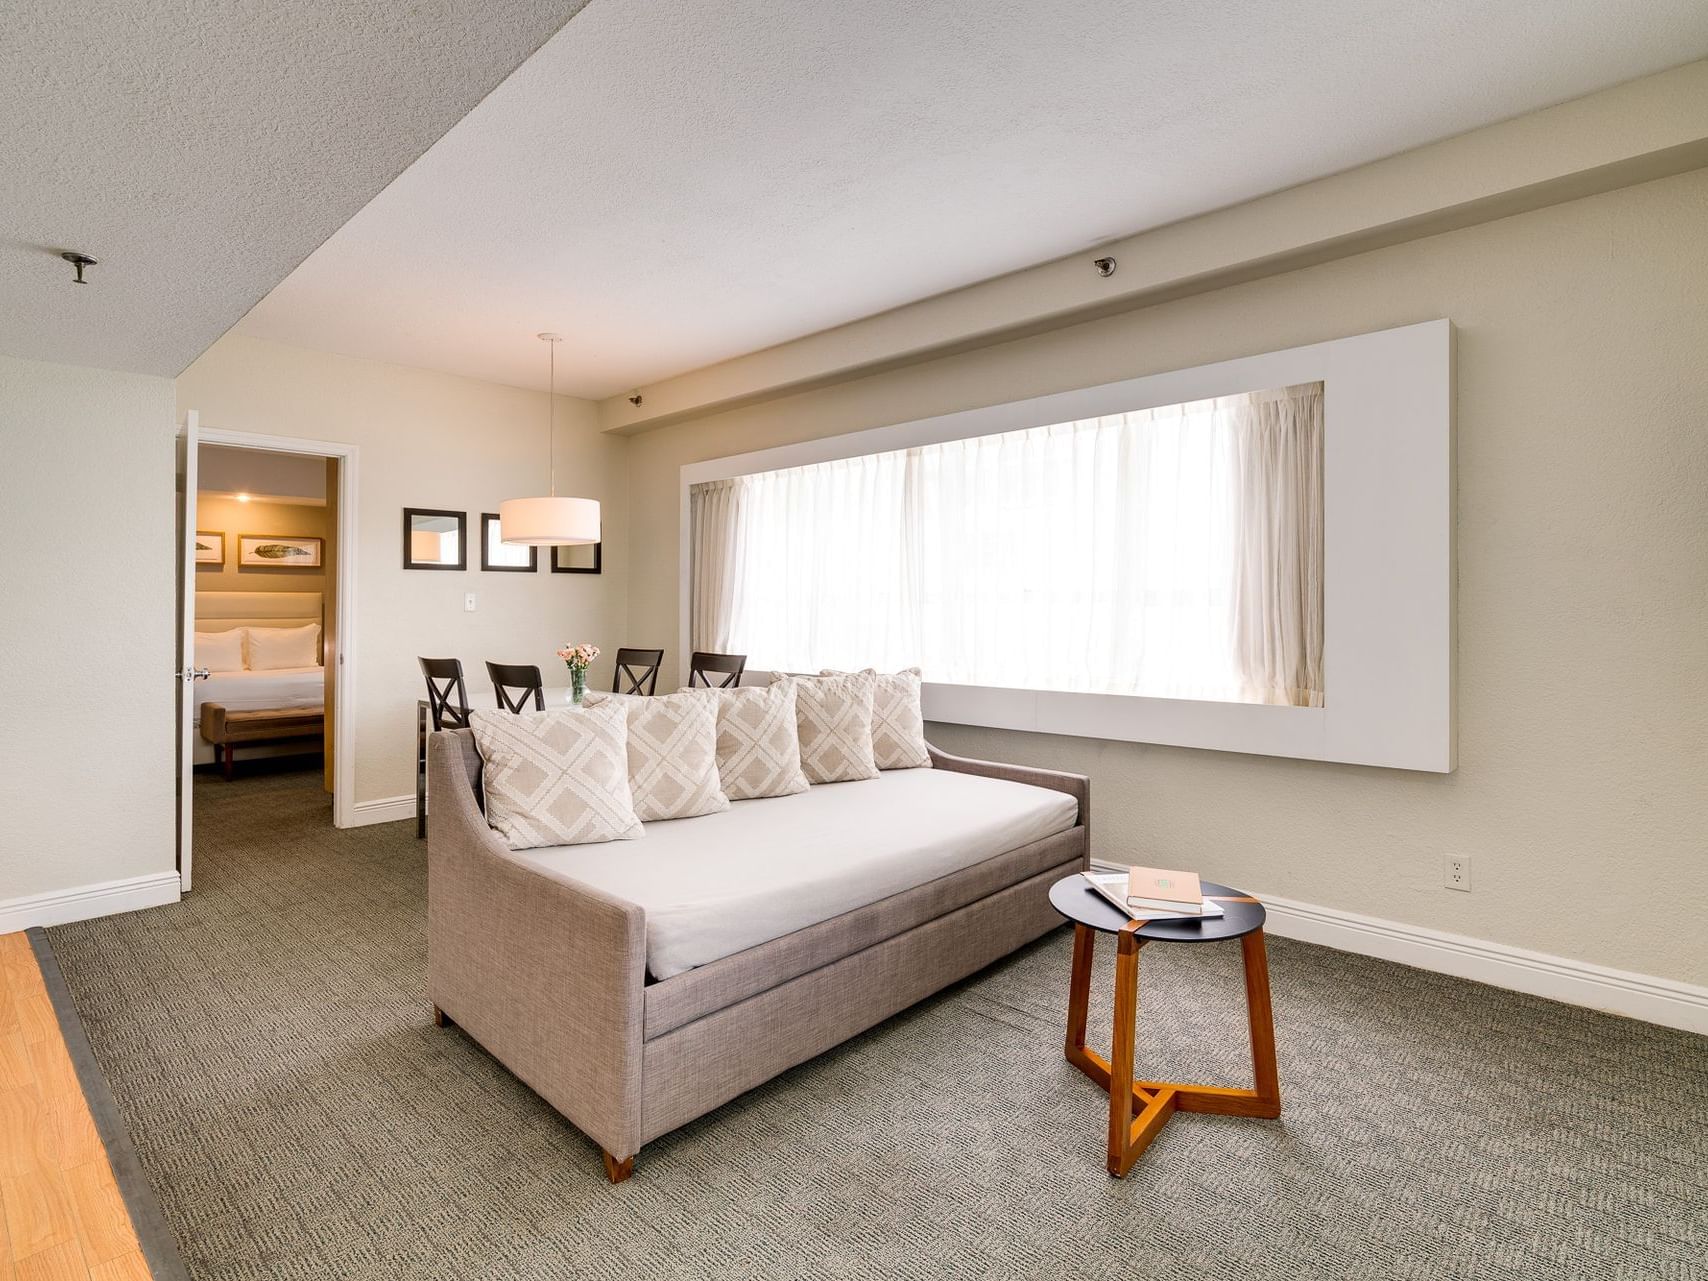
673, 754
898, 724
220, 651
272, 648
834, 718
557, 778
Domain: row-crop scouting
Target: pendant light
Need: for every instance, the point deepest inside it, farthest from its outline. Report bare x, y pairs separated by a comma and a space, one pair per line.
547, 522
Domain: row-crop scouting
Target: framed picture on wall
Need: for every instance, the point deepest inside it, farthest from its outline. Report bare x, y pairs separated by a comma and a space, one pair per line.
577, 558
499, 556
210, 547
277, 551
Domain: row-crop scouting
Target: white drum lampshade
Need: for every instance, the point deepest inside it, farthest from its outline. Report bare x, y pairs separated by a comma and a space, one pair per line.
548, 522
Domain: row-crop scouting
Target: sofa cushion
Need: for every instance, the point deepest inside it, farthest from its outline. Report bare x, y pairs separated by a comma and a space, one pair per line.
720, 884
759, 746
673, 755
556, 778
898, 723
834, 715
708, 988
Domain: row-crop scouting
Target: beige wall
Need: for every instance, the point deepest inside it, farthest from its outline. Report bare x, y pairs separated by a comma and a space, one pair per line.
430, 440
1582, 790
235, 519
86, 516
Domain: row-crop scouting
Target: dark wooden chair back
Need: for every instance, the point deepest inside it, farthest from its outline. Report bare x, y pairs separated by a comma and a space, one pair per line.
638, 669
445, 679
703, 666
524, 678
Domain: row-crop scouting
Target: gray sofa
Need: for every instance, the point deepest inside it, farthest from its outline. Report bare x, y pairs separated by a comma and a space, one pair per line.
550, 976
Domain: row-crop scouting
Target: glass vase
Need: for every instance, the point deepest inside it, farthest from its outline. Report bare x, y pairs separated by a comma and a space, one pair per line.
577, 685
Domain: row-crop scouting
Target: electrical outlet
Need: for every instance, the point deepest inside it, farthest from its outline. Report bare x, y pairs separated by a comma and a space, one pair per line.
1456, 871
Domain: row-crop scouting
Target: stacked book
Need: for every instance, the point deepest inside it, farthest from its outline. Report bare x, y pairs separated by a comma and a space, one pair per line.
1152, 893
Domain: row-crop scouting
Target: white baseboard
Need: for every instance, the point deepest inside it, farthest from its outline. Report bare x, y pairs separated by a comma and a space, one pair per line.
388, 809
81, 903
1637, 996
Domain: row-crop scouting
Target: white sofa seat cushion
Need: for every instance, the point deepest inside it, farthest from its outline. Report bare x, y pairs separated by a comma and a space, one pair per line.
716, 885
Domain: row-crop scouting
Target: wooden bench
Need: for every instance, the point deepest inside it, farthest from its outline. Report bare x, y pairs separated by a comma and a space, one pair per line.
226, 729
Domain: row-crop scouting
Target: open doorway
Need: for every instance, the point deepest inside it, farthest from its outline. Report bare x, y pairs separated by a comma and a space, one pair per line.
264, 598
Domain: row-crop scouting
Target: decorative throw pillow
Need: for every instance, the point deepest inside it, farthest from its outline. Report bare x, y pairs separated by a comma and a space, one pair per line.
673, 755
834, 714
759, 746
220, 651
556, 778
898, 725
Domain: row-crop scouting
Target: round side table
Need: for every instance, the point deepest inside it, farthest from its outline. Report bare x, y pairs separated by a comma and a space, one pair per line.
1139, 1109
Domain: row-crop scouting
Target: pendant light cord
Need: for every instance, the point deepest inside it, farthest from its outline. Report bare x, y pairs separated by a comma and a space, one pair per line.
551, 419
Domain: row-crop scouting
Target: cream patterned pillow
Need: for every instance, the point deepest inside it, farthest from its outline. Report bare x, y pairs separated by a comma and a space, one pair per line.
556, 778
673, 755
759, 748
835, 718
898, 725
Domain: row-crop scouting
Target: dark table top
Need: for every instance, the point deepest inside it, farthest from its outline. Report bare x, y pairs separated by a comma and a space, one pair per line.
1076, 900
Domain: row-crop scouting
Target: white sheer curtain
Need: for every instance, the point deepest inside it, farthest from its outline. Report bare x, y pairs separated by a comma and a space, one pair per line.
1171, 552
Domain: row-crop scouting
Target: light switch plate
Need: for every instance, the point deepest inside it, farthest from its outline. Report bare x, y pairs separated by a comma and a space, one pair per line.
468, 602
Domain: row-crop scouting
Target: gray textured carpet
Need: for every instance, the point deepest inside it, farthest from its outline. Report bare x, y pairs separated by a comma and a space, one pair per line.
269, 1044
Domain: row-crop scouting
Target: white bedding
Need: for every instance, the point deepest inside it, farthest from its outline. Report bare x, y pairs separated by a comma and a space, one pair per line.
714, 885
299, 687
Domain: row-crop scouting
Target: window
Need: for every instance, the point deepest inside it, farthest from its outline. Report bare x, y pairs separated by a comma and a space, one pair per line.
1173, 552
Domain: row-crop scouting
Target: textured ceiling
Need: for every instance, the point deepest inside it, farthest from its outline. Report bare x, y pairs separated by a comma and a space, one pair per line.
674, 182
200, 149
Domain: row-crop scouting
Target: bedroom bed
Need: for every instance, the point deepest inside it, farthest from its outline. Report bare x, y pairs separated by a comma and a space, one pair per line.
295, 688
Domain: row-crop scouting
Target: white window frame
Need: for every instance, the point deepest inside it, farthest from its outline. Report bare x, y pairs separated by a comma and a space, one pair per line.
1388, 555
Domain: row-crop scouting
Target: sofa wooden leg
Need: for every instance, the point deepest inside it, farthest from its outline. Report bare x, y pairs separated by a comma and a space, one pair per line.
616, 1170
440, 1018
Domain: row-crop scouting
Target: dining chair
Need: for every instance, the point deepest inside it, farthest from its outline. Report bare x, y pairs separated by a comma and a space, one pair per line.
638, 668
703, 666
444, 680
524, 678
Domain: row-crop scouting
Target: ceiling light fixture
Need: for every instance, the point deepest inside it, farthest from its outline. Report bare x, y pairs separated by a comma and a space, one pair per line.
243, 498
551, 521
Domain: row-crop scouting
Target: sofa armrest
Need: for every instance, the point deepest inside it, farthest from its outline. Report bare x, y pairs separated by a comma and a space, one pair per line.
548, 977
1077, 786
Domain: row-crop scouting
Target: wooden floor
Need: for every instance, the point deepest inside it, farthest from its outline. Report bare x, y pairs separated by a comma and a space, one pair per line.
63, 1216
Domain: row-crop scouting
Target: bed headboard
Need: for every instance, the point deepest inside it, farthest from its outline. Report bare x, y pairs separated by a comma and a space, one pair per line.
222, 611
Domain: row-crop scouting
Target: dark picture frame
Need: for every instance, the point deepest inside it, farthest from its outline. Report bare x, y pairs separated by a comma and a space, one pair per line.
488, 522
560, 551
462, 519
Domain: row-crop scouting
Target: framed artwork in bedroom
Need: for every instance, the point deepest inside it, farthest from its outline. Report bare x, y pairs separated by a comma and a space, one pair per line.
277, 551
578, 558
210, 547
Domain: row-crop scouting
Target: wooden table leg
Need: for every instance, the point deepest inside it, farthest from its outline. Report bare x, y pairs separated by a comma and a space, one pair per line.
1121, 1048
1079, 992
1262, 1020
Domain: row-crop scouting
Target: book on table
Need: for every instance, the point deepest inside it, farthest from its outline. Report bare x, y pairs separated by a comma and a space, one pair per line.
1164, 890
1112, 885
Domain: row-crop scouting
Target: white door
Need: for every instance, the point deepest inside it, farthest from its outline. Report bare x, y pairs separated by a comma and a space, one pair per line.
188, 673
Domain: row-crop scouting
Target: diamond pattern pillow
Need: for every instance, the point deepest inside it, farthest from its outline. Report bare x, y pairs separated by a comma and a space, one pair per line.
673, 755
898, 725
834, 714
759, 747
556, 778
